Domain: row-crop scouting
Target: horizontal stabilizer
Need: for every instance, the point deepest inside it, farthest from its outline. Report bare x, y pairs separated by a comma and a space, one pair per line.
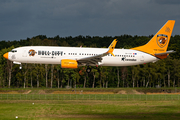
167, 52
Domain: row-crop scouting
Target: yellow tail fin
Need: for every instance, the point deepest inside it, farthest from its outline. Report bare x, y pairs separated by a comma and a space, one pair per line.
159, 42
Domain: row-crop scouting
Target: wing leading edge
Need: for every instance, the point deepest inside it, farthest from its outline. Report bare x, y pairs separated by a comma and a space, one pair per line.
98, 58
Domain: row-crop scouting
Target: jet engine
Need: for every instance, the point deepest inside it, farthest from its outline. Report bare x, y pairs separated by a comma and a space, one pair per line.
67, 63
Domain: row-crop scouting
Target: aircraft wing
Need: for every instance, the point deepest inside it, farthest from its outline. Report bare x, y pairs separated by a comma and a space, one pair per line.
95, 59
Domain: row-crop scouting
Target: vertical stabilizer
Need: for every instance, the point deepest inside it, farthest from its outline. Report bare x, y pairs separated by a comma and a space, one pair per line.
159, 42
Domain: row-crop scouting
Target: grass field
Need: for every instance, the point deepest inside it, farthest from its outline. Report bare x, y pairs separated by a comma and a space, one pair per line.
88, 109
114, 97
96, 104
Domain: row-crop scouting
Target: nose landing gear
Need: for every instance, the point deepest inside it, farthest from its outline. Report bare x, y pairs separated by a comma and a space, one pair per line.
20, 67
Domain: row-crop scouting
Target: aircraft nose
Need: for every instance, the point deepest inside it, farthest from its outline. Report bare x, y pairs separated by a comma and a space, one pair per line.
6, 55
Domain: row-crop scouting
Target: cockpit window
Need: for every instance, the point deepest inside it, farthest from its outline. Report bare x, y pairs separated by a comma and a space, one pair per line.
13, 51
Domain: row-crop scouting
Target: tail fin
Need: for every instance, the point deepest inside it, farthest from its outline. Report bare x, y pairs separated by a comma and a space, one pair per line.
159, 43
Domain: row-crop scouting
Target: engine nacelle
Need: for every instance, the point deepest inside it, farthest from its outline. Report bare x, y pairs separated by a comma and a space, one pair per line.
67, 63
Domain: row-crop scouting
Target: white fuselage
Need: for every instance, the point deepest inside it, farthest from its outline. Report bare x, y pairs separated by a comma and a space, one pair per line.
54, 55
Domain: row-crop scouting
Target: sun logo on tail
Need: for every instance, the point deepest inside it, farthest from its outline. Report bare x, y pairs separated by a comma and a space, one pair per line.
162, 40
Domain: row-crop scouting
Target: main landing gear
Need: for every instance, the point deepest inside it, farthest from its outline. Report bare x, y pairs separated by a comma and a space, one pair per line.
88, 70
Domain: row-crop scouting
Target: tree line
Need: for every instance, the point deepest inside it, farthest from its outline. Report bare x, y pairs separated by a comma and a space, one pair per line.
163, 73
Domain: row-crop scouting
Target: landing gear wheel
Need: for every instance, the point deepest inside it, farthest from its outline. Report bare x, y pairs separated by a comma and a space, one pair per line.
20, 67
88, 70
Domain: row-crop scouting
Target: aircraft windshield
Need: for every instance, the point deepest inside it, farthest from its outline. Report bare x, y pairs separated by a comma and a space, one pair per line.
13, 51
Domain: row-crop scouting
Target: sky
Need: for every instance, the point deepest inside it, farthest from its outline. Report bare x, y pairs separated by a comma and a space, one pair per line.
22, 19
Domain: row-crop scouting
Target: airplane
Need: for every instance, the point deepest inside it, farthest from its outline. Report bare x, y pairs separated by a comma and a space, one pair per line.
73, 57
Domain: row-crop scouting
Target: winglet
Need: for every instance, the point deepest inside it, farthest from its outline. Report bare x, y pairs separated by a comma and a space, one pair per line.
111, 47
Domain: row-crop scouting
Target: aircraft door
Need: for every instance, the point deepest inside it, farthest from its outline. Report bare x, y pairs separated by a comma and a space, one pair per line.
24, 54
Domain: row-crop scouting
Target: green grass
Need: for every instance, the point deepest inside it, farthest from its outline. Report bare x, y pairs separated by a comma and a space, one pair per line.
115, 97
89, 109
89, 106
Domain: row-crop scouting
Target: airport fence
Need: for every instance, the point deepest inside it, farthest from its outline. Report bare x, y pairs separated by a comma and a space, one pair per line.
117, 97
